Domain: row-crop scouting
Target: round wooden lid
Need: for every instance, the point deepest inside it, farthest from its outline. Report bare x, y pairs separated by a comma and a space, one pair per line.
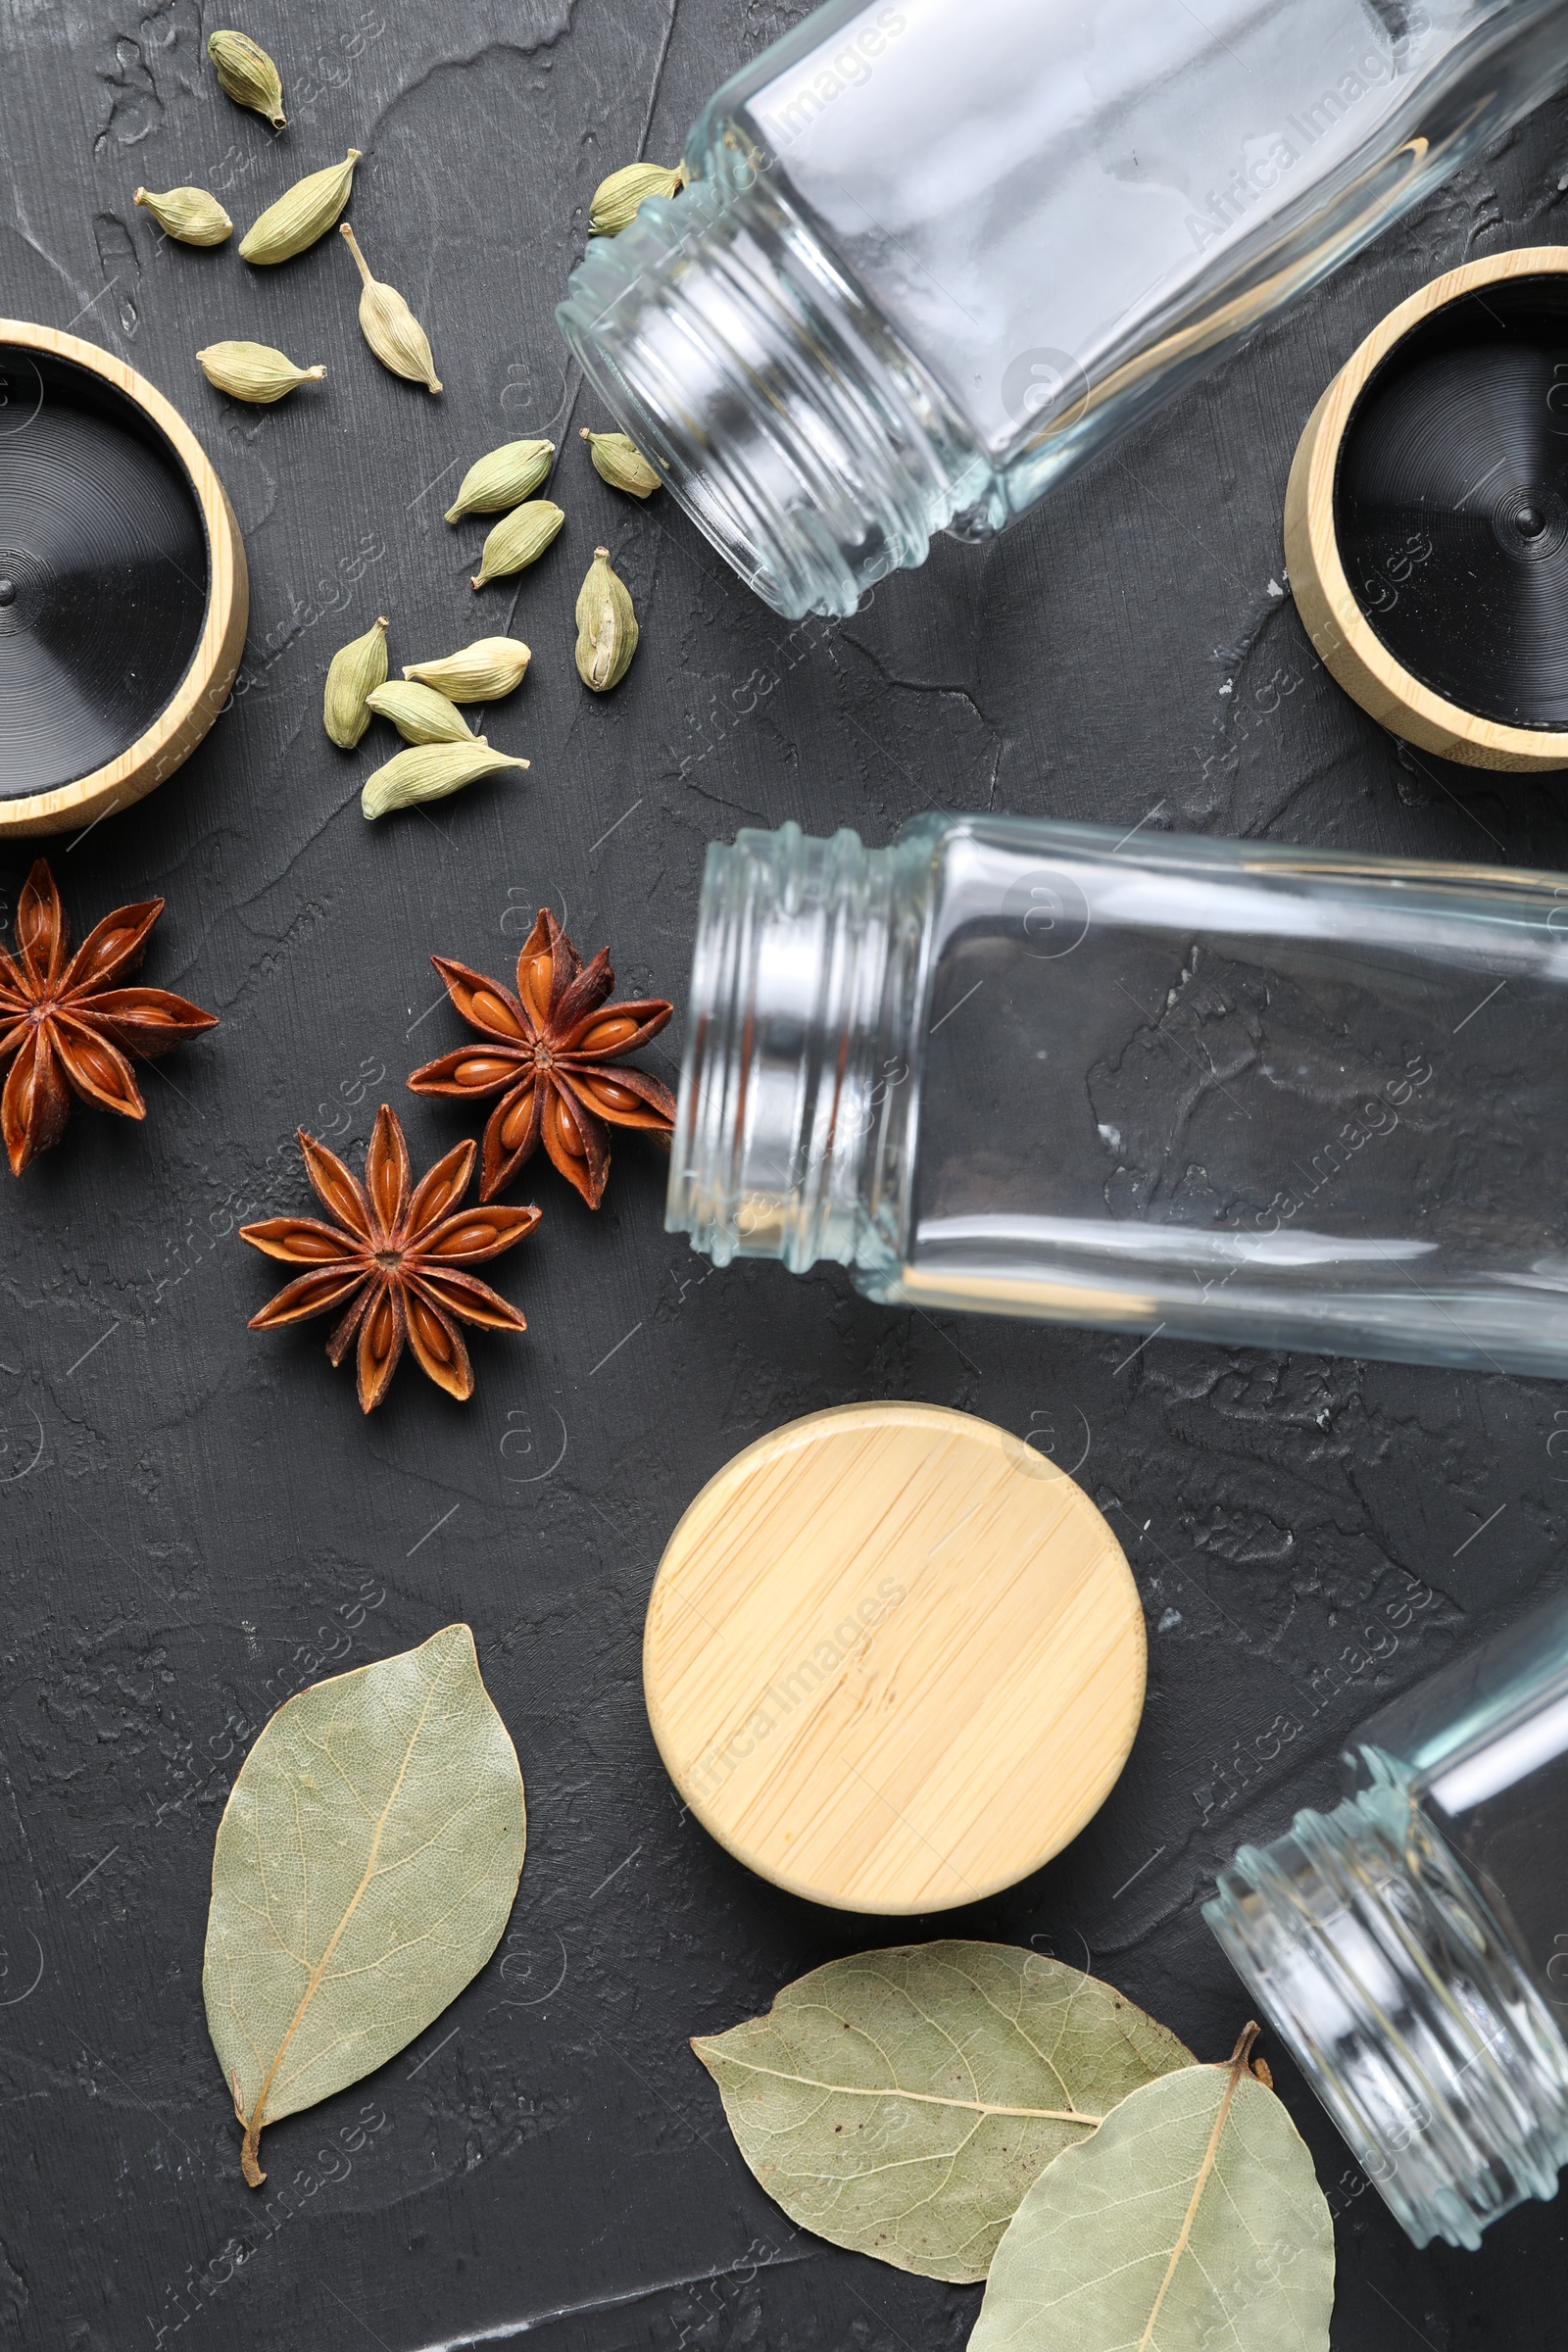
893, 1660
1426, 537
124, 591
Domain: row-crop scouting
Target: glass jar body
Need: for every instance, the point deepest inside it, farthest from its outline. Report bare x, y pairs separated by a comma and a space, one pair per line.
1413, 1946
1239, 1092
938, 252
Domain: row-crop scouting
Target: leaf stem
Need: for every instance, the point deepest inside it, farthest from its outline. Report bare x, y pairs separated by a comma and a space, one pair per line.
249, 2160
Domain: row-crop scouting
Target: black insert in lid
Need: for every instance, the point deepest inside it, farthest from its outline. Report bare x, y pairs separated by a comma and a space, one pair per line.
104, 572
1452, 502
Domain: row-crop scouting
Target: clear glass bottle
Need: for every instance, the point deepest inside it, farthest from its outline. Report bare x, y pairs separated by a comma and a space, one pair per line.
937, 252
1244, 1093
1412, 1946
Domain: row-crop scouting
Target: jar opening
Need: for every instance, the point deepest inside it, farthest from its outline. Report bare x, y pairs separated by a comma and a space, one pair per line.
789, 1138
1383, 1972
805, 441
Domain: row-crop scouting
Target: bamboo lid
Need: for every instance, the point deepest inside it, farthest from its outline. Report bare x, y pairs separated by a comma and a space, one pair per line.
894, 1658
1426, 517
123, 585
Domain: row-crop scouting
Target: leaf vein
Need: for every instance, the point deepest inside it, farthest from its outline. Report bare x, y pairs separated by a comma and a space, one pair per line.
923, 2098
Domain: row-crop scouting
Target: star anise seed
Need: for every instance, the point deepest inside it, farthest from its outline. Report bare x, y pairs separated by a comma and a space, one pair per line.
555, 1053
67, 1029
394, 1260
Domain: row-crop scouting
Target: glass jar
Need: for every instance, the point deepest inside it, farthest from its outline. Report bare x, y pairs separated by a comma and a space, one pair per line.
937, 252
1412, 1946
1244, 1093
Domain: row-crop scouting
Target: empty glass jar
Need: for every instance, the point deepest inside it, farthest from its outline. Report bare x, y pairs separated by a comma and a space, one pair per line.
1412, 1946
937, 252
1244, 1093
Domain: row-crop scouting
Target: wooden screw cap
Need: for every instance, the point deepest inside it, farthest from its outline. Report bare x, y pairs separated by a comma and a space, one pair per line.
124, 593
1342, 632
894, 1658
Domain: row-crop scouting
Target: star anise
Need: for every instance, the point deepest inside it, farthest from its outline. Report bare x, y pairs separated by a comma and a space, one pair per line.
397, 1256
555, 1053
68, 1028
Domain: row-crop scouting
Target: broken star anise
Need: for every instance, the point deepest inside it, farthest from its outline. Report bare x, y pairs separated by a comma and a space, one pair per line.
68, 1028
555, 1053
397, 1257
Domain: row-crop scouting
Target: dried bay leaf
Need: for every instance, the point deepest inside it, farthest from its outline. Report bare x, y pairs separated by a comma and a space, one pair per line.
1191, 2219
902, 2102
365, 1869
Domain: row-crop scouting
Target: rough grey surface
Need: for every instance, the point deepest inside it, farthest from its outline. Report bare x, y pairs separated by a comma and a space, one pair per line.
187, 1503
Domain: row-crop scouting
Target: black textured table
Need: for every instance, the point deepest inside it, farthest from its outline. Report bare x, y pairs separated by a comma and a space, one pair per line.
186, 1503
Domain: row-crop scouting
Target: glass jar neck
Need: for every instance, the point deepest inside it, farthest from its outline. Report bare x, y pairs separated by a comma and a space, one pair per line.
795, 429
795, 1130
1384, 1972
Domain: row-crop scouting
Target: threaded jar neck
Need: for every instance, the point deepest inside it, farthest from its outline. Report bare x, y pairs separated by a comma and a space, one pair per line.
790, 423
794, 1131
1364, 1941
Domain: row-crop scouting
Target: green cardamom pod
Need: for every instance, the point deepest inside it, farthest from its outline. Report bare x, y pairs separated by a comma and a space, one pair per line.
615, 200
390, 327
419, 714
190, 215
254, 372
508, 475
482, 673
607, 627
519, 540
246, 75
353, 673
301, 215
428, 771
619, 462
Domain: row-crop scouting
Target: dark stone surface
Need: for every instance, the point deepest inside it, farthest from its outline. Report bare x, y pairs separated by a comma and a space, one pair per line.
187, 1502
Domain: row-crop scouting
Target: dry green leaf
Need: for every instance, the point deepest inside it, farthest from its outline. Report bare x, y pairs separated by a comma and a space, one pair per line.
503, 477
301, 215
352, 673
480, 673
1191, 2219
901, 2102
428, 771
419, 714
365, 1865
